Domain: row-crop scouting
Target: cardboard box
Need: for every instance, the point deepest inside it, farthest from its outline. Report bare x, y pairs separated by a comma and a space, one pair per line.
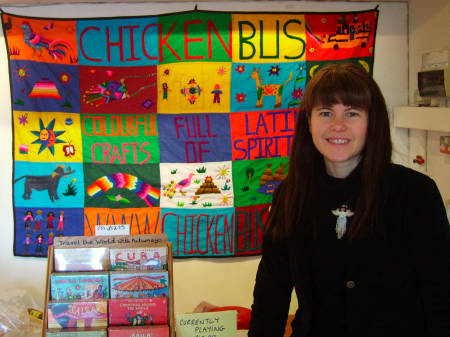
119, 241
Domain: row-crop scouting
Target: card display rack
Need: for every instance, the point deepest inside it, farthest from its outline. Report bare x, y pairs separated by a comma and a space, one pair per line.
67, 245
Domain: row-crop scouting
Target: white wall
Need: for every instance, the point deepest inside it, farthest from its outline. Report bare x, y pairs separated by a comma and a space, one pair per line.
226, 281
429, 28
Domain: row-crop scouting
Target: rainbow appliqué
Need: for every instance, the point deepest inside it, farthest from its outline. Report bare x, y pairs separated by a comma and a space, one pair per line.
45, 88
124, 180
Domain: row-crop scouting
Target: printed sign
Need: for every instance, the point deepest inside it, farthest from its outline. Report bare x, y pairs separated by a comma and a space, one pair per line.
207, 324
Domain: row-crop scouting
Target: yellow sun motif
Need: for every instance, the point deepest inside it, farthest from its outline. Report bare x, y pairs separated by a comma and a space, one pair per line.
324, 20
312, 50
22, 73
222, 172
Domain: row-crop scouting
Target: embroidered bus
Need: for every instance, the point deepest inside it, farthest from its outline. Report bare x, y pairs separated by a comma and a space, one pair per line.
348, 35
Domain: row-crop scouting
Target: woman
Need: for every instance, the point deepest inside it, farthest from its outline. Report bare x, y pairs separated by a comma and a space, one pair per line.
364, 243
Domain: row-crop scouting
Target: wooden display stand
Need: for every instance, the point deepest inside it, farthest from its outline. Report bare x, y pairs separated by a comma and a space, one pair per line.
119, 241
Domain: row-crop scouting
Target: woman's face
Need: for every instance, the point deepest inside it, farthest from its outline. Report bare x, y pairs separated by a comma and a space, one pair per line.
339, 134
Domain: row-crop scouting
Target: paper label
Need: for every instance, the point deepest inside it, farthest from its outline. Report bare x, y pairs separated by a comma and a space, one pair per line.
105, 230
207, 324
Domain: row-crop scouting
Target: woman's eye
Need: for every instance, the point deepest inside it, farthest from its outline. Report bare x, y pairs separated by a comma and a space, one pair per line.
353, 113
325, 113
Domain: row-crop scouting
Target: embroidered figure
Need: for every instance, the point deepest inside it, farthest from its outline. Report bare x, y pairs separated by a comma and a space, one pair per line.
26, 244
165, 91
50, 218
217, 92
60, 221
28, 220
263, 90
39, 244
38, 220
341, 223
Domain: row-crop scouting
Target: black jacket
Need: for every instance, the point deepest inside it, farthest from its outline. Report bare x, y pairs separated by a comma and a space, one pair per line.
396, 282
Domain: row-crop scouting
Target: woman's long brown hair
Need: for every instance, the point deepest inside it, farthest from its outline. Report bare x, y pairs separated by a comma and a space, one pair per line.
295, 200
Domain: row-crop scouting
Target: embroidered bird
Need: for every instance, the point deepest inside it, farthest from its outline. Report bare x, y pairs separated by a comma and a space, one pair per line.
56, 48
184, 183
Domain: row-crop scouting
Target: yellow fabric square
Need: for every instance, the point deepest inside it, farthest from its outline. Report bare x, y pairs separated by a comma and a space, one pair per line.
194, 87
47, 137
267, 38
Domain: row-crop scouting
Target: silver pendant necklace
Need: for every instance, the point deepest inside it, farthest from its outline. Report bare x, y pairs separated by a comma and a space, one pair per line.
341, 222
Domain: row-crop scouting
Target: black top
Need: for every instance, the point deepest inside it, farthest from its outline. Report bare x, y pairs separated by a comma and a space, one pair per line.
329, 284
394, 283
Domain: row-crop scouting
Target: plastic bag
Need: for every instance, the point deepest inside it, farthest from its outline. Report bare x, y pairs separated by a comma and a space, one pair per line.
243, 314
15, 319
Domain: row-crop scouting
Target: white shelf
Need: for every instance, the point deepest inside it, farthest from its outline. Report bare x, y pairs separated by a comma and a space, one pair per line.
423, 118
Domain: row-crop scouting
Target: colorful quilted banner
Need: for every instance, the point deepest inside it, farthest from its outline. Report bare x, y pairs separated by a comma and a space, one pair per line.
179, 123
